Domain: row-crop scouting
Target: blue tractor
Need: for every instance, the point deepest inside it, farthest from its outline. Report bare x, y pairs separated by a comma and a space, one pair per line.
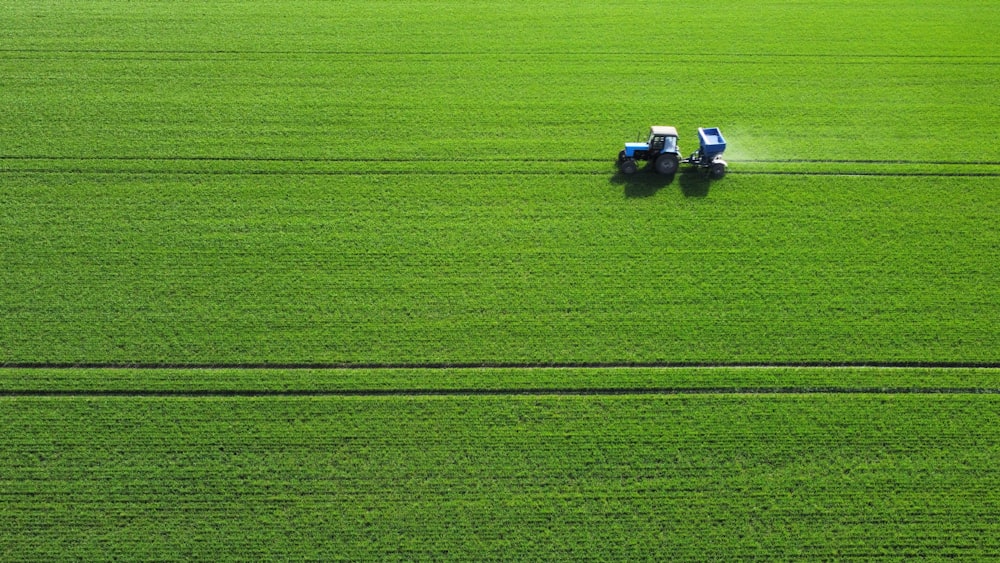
662, 152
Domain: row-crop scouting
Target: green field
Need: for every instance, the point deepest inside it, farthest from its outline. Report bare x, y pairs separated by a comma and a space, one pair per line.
360, 280
623, 477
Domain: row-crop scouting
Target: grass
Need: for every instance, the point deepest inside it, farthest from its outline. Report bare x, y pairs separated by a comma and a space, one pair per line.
716, 477
316, 381
494, 80
431, 184
496, 268
527, 106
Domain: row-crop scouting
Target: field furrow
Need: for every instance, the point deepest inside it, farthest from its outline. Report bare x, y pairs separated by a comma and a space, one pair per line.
416, 380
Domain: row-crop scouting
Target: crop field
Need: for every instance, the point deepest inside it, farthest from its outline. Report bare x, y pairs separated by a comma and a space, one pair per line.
360, 280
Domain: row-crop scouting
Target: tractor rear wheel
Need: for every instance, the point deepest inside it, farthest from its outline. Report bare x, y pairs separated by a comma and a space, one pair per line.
717, 171
666, 163
628, 166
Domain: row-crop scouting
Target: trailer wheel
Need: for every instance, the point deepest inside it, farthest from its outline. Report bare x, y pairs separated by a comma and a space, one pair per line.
666, 163
628, 166
717, 171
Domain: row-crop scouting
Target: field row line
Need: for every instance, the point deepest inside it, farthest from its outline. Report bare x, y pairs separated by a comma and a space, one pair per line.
438, 366
347, 52
863, 173
475, 173
200, 158
767, 61
496, 392
320, 159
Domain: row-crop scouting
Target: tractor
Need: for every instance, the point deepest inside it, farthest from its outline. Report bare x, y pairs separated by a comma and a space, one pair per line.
662, 152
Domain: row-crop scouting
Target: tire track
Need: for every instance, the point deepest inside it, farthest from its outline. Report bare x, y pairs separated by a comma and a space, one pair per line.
388, 52
865, 161
435, 366
769, 60
496, 392
133, 158
360, 173
472, 173
233, 158
864, 173
459, 172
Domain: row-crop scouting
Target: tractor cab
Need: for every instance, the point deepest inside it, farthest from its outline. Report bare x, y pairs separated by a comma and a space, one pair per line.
662, 139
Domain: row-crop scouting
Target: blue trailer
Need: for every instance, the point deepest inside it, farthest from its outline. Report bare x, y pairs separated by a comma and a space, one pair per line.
662, 152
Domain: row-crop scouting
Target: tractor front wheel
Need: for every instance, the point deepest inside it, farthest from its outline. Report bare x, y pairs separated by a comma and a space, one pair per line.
666, 164
628, 166
717, 171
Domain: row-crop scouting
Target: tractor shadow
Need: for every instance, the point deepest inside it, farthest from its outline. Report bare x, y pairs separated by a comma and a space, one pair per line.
641, 184
645, 183
694, 183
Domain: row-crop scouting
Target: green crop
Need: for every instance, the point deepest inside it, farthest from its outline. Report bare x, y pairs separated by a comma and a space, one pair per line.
359, 280
412, 268
452, 80
706, 477
245, 381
